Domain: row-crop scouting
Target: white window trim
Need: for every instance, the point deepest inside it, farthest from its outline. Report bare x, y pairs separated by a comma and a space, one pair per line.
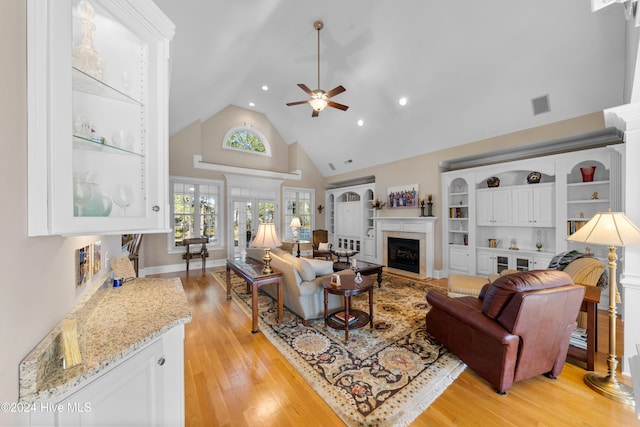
248, 128
312, 196
171, 248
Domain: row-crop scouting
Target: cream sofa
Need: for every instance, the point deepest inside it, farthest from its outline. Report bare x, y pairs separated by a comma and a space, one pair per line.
303, 293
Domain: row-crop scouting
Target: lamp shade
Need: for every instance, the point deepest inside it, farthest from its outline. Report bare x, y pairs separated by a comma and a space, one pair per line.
266, 237
295, 222
608, 228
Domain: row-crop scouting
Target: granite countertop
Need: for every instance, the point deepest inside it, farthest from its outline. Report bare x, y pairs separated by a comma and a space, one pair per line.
112, 324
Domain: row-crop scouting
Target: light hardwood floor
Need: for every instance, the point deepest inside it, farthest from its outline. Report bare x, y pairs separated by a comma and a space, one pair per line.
236, 378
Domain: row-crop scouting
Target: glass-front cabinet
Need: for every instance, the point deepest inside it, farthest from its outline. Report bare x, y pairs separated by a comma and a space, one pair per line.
98, 117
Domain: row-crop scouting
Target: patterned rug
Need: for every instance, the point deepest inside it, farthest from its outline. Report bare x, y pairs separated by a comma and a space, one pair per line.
382, 377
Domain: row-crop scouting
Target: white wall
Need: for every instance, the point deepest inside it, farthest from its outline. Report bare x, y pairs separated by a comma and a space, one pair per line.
37, 274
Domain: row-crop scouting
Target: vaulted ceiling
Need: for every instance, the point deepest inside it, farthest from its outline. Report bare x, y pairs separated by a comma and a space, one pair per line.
469, 69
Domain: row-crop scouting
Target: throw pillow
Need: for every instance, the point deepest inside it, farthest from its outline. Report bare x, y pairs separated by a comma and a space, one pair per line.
303, 268
321, 267
323, 246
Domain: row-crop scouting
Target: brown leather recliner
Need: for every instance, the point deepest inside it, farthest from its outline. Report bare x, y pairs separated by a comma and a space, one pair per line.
519, 327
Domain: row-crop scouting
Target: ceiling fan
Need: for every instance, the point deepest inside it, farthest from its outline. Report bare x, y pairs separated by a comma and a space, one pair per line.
319, 98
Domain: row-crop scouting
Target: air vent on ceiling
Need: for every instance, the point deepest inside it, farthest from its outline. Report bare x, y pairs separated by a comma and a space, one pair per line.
332, 167
540, 105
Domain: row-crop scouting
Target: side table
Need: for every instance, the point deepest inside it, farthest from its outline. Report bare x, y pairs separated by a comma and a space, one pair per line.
590, 305
348, 287
365, 268
251, 271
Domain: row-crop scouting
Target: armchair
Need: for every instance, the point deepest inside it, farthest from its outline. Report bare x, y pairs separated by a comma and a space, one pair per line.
517, 328
321, 245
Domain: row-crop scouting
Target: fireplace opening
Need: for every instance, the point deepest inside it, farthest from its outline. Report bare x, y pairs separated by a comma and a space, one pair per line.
403, 254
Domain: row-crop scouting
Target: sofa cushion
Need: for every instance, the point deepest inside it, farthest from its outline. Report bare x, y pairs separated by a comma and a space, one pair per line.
304, 269
500, 292
320, 267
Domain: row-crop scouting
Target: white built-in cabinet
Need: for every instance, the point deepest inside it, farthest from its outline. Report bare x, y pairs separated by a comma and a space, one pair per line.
145, 389
98, 116
350, 220
493, 206
533, 205
518, 214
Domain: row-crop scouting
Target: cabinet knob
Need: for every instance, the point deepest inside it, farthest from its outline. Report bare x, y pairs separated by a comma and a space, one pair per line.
161, 361
155, 208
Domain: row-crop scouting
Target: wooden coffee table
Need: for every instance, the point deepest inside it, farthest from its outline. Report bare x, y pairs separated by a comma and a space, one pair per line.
365, 268
251, 271
348, 287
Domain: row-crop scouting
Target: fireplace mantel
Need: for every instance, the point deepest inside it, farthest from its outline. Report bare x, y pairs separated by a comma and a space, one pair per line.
422, 225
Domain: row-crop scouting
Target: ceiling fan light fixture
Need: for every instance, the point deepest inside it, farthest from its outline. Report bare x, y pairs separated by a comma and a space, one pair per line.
319, 100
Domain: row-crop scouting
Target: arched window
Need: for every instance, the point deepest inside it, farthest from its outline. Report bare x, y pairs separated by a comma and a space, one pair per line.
245, 138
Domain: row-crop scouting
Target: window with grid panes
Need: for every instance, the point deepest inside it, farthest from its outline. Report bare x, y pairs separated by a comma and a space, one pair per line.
298, 202
196, 210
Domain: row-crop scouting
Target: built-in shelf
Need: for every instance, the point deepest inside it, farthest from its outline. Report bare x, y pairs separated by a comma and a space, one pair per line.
81, 143
83, 82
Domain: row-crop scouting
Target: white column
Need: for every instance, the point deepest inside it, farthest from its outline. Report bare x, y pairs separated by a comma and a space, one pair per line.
627, 119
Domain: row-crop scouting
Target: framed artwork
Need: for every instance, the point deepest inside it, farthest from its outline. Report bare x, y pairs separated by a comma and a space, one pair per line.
96, 260
83, 265
405, 196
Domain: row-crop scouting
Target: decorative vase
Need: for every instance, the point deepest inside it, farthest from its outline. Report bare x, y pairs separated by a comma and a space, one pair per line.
492, 182
534, 178
587, 173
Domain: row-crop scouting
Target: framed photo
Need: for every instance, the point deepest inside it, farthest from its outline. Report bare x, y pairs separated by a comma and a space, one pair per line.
83, 265
404, 196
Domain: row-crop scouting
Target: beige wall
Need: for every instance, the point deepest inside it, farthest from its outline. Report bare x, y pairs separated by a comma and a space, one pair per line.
425, 170
205, 138
38, 275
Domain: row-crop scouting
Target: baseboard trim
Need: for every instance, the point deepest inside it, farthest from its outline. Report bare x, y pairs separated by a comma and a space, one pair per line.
172, 268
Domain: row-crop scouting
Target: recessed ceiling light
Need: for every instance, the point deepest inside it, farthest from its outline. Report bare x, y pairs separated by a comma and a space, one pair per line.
265, 87
360, 122
402, 101
252, 104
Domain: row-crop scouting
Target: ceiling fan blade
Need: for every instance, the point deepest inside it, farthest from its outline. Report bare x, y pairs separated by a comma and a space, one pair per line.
297, 103
315, 113
335, 91
305, 88
338, 106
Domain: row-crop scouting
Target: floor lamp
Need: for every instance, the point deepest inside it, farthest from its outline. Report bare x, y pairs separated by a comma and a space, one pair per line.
612, 229
266, 238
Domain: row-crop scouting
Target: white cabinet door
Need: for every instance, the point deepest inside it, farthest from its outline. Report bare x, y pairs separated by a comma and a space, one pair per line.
502, 207
543, 206
459, 260
521, 262
493, 207
98, 117
542, 261
522, 207
533, 206
147, 389
484, 211
485, 263
349, 219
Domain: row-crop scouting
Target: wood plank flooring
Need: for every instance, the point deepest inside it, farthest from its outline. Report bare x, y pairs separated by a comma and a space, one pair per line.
236, 378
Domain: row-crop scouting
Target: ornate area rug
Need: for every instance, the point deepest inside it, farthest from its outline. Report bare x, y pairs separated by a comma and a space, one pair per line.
382, 377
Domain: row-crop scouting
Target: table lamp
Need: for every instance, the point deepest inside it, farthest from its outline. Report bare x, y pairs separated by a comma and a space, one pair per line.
266, 238
611, 229
295, 225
